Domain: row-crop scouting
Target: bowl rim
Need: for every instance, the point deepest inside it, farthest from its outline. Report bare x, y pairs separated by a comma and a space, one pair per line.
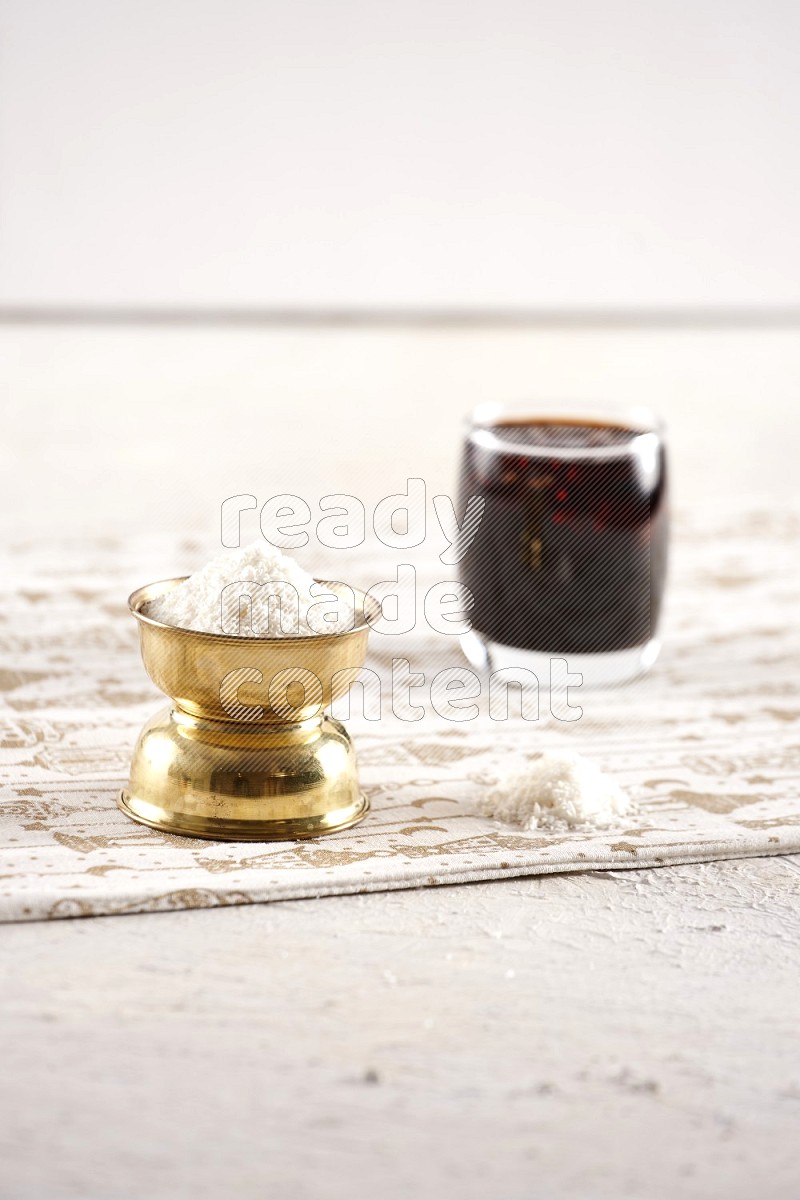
142, 595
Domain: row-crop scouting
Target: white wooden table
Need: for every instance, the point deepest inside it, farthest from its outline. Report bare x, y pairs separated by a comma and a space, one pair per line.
604, 1035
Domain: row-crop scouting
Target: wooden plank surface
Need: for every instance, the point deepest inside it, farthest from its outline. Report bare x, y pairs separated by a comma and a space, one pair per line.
575, 1036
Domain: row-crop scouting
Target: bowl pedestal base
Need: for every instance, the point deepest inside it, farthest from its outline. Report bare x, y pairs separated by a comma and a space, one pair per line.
243, 782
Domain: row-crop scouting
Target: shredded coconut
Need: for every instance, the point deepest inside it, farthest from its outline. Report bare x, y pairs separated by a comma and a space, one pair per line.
255, 591
556, 792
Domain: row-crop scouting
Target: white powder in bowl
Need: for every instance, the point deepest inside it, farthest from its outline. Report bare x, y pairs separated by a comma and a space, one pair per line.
557, 792
223, 598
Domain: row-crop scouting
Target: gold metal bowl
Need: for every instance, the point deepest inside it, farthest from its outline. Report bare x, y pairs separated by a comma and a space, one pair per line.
244, 751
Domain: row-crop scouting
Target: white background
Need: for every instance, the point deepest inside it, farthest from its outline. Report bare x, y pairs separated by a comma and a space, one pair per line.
424, 153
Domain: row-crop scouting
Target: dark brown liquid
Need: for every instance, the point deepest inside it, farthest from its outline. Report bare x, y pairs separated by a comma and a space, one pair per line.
570, 555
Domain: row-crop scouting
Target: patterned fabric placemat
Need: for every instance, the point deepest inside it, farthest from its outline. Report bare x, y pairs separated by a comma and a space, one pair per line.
708, 743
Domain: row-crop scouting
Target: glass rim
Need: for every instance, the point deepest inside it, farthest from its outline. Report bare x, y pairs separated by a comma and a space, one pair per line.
484, 426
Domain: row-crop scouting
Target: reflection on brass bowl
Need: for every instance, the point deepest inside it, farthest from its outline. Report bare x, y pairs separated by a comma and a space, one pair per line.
244, 751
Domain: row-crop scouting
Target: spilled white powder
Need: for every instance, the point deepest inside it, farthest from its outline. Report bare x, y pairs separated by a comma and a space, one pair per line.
557, 792
287, 602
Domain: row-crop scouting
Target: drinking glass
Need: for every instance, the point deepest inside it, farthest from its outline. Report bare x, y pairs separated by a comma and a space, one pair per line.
569, 556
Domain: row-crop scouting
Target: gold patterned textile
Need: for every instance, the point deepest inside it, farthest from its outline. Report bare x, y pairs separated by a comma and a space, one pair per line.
709, 742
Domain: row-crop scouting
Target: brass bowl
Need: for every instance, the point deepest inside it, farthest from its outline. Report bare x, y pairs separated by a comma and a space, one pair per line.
244, 751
